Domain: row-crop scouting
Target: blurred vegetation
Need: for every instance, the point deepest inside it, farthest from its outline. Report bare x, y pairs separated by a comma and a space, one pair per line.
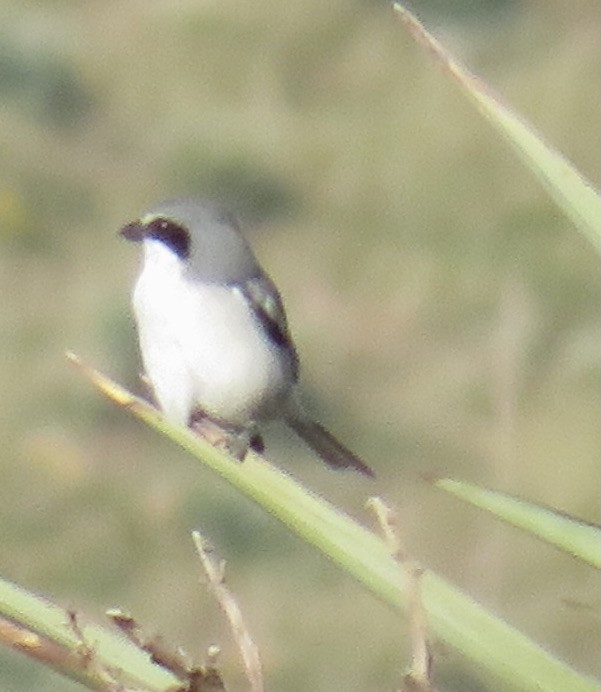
446, 312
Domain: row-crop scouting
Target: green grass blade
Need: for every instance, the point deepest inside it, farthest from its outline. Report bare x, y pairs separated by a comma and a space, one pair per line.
102, 654
570, 190
579, 538
502, 652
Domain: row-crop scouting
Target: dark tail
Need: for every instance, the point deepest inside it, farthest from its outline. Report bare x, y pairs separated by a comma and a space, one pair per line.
327, 446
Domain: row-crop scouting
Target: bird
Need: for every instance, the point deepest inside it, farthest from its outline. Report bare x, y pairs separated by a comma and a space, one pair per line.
213, 333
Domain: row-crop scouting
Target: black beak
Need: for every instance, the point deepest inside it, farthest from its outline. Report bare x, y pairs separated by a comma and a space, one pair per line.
135, 232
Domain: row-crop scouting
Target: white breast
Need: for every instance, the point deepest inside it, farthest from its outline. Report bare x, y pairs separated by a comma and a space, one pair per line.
201, 346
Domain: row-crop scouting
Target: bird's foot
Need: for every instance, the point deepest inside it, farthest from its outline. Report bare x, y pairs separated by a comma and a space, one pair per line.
234, 442
256, 443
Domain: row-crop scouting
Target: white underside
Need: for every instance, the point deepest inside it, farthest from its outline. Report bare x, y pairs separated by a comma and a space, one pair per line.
201, 347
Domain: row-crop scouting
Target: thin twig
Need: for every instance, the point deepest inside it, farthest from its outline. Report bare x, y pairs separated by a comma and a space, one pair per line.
161, 653
205, 678
419, 677
389, 526
78, 663
214, 568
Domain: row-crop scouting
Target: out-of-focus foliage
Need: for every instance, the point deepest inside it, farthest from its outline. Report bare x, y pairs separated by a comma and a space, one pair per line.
445, 311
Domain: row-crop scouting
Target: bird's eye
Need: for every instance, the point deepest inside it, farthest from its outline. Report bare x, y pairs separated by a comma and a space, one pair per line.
173, 235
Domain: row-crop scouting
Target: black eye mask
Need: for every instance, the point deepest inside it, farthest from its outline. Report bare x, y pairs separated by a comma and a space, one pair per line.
174, 236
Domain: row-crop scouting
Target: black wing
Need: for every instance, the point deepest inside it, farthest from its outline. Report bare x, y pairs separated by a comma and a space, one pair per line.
267, 306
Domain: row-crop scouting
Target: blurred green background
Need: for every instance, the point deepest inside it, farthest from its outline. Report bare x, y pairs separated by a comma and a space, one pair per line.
445, 311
